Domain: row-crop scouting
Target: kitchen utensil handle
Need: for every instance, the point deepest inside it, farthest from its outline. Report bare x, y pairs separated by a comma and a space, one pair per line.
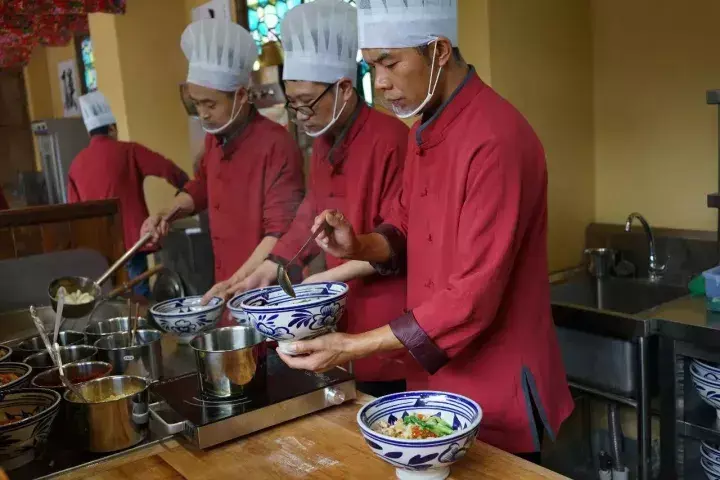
170, 428
128, 285
324, 227
138, 245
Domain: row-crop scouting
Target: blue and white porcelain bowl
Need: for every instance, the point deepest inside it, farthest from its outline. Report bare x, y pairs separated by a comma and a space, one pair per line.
706, 371
711, 453
32, 411
427, 459
707, 388
235, 306
314, 311
709, 463
21, 370
185, 316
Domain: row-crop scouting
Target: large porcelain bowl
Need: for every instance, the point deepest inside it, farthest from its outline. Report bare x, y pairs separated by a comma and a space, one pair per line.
185, 316
710, 460
428, 459
707, 387
314, 311
33, 411
20, 370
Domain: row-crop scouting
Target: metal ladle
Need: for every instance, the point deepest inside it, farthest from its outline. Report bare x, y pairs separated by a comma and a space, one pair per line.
92, 287
283, 278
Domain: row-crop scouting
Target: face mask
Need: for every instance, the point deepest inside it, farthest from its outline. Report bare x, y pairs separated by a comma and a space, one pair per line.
233, 117
431, 91
334, 119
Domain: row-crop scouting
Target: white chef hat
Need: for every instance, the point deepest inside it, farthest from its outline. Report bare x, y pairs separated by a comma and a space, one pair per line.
95, 110
320, 42
221, 54
405, 23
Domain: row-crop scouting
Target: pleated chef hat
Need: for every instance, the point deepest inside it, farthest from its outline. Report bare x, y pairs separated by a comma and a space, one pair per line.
405, 23
320, 42
221, 54
95, 110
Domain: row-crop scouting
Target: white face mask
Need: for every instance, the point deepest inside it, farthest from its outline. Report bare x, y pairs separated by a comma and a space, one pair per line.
431, 92
233, 117
334, 118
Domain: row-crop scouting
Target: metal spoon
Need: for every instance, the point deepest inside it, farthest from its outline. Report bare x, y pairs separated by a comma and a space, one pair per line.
282, 275
135, 319
58, 316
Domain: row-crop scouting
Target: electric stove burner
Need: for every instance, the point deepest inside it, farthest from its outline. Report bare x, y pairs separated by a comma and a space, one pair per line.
286, 394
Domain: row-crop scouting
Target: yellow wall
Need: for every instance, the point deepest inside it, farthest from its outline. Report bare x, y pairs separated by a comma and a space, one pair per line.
656, 139
37, 89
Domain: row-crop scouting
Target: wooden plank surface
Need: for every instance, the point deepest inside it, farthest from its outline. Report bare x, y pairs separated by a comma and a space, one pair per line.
324, 446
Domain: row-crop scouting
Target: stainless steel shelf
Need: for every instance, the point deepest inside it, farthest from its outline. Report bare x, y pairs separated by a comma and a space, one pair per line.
697, 432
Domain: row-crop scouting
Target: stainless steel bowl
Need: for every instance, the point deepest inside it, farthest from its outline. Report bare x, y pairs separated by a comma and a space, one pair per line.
96, 330
144, 359
73, 284
41, 361
231, 361
103, 425
35, 344
79, 372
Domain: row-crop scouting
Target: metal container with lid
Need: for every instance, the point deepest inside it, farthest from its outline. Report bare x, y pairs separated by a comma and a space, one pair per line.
230, 361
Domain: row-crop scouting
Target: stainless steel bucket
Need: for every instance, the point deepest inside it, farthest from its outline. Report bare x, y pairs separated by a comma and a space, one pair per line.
600, 261
144, 359
231, 361
108, 426
79, 372
35, 344
96, 330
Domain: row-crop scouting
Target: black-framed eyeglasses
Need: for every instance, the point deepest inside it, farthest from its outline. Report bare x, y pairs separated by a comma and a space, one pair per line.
307, 110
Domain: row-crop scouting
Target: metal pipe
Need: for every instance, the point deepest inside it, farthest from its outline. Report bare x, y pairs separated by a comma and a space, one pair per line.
654, 268
615, 431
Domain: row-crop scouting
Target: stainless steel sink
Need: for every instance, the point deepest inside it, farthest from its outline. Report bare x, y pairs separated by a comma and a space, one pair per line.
598, 325
629, 296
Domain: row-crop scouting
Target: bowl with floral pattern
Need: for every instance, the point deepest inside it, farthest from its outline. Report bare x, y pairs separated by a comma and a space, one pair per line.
235, 306
706, 384
386, 422
186, 317
26, 417
315, 310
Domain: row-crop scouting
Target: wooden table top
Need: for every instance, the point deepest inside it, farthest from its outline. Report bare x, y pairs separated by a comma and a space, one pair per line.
327, 446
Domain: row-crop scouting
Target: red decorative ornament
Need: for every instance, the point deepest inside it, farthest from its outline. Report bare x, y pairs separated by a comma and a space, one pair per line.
27, 23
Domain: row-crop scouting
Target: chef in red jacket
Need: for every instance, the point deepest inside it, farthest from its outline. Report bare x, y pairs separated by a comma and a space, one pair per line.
471, 227
250, 177
109, 168
356, 167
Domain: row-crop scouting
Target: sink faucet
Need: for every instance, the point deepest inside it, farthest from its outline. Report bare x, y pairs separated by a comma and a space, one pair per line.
655, 269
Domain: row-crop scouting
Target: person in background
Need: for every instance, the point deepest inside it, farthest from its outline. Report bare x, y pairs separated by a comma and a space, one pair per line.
110, 168
3, 203
356, 166
470, 226
250, 177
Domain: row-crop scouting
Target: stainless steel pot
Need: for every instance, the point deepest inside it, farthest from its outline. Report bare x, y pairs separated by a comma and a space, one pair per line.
41, 361
96, 330
600, 261
109, 426
144, 359
79, 372
231, 361
35, 344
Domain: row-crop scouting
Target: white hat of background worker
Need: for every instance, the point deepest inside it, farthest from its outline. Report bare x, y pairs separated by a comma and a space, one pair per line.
221, 54
405, 23
320, 42
95, 110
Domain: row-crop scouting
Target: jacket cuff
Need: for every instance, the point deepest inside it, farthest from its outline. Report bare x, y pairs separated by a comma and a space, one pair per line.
431, 357
294, 271
398, 247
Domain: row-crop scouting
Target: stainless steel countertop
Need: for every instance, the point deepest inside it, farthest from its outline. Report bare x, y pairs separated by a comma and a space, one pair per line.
687, 319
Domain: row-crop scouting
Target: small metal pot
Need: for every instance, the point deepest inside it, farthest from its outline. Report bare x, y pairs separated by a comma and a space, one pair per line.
35, 344
231, 361
144, 359
109, 426
41, 361
96, 330
75, 372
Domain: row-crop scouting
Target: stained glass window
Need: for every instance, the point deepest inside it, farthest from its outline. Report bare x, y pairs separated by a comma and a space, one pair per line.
88, 60
264, 17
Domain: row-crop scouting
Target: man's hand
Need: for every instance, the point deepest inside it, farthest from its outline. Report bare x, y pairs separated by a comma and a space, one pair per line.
342, 241
264, 275
155, 225
220, 289
322, 353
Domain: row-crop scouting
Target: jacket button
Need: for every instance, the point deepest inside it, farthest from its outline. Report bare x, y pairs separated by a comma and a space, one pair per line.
331, 195
424, 192
429, 237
